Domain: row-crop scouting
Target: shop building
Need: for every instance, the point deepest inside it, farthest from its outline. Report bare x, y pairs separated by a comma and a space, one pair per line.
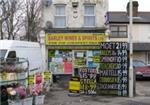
72, 32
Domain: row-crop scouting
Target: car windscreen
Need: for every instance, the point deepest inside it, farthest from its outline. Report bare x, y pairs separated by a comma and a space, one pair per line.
138, 64
2, 53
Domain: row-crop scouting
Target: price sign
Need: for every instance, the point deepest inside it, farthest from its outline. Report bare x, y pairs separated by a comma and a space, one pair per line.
47, 75
74, 85
113, 71
31, 79
88, 80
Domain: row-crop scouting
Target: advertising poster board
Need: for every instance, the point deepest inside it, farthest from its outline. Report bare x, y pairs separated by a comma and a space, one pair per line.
88, 80
74, 85
113, 69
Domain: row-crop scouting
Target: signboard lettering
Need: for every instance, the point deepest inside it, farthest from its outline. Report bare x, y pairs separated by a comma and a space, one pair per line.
113, 69
75, 39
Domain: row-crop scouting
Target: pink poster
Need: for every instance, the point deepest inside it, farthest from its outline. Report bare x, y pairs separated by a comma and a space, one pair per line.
67, 67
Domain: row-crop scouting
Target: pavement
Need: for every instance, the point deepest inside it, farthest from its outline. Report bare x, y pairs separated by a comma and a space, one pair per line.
58, 95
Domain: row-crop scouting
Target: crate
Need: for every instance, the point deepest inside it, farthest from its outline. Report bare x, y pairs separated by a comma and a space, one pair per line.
39, 100
27, 101
10, 102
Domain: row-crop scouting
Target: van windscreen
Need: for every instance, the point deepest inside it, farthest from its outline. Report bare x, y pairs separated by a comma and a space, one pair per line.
2, 53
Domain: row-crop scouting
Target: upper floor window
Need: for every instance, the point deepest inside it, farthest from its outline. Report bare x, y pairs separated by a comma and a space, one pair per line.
60, 16
89, 15
118, 31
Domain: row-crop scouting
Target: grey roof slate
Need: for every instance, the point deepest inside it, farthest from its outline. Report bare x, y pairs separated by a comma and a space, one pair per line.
122, 17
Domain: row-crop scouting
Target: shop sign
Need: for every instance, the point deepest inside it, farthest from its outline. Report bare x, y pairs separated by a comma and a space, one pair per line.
75, 39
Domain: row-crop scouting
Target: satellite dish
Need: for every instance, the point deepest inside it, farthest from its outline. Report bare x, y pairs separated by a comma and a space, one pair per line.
48, 25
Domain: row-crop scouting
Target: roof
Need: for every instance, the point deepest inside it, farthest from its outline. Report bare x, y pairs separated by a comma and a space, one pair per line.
5, 44
122, 17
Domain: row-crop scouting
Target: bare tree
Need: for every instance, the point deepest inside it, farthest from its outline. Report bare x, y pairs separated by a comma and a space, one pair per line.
32, 19
3, 16
12, 19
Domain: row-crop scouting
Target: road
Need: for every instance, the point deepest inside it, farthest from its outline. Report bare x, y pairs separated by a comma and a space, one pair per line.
143, 88
58, 95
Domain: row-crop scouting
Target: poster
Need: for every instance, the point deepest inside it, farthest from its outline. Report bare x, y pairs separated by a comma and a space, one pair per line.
88, 80
80, 54
61, 62
47, 75
113, 69
90, 53
31, 79
68, 67
74, 85
57, 67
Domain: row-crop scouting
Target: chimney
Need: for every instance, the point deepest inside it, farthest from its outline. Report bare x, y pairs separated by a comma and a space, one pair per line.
135, 8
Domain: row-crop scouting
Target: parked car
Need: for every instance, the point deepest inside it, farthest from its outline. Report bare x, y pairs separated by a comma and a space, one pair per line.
141, 69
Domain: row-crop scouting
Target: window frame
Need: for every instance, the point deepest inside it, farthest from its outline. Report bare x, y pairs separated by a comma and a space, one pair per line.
118, 35
89, 15
56, 15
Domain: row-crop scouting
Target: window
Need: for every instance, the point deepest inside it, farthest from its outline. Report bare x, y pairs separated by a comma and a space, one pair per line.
60, 16
12, 54
11, 57
2, 53
118, 31
89, 15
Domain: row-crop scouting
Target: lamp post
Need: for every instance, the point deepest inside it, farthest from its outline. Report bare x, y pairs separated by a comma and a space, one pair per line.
107, 34
131, 78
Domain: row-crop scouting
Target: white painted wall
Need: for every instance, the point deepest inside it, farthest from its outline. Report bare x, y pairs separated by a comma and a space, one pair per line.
141, 33
75, 20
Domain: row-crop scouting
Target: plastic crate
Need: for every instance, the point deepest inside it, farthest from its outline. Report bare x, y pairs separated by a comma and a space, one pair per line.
15, 102
39, 100
27, 101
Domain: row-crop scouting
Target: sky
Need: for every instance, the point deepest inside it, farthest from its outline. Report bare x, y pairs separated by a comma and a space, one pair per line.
120, 5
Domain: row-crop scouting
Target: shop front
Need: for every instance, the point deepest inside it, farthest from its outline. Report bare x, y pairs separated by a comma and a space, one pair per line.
96, 66
69, 51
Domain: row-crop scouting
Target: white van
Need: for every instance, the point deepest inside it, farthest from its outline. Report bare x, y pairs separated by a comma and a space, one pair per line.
23, 49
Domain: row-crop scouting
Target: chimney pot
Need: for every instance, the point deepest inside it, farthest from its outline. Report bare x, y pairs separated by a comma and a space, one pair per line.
135, 8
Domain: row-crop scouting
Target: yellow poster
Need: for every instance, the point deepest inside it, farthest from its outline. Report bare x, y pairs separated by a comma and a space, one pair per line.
31, 79
74, 85
47, 75
74, 38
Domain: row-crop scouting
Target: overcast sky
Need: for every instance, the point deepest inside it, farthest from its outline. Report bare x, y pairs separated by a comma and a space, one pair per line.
120, 5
